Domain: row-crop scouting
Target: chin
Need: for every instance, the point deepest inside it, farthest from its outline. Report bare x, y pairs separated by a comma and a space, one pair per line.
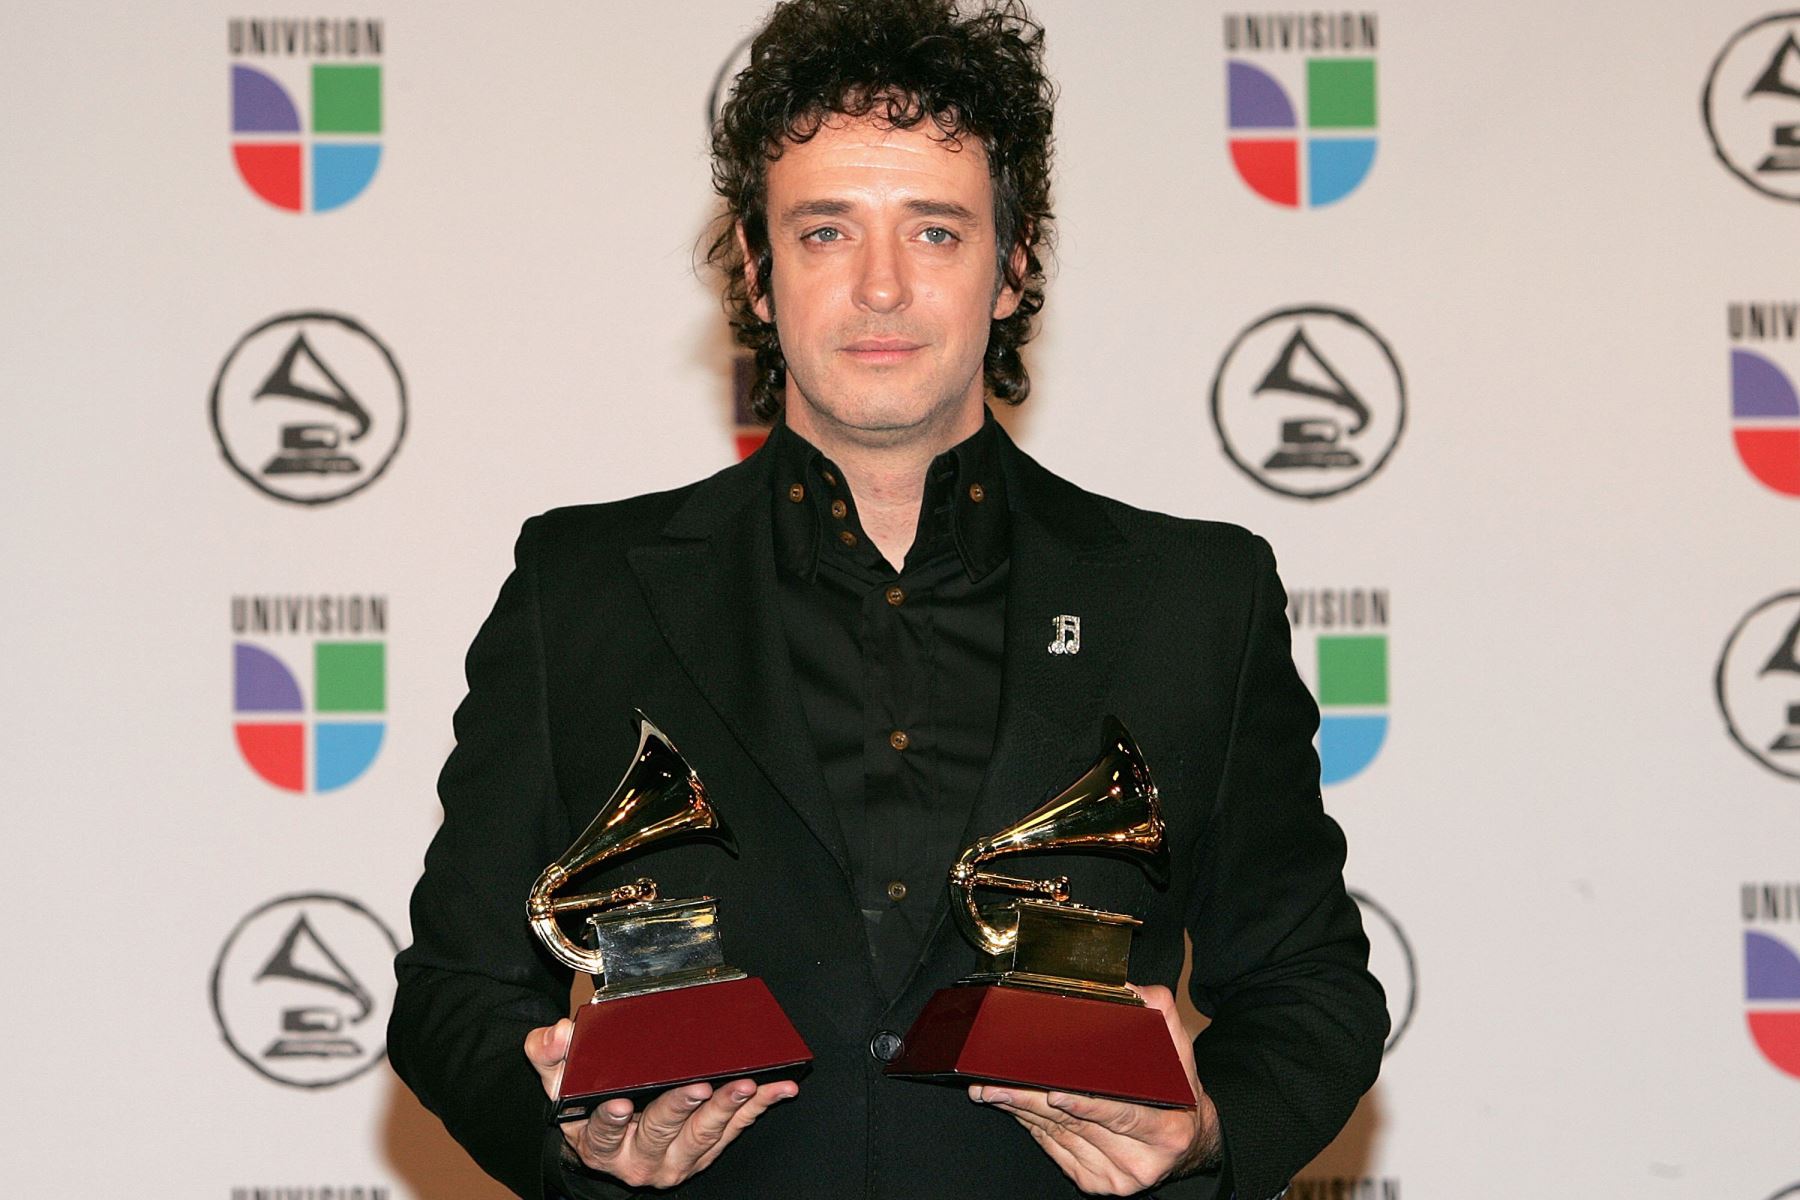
874, 414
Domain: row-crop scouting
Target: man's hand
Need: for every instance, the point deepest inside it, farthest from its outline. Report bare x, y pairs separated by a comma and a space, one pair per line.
677, 1135
1109, 1147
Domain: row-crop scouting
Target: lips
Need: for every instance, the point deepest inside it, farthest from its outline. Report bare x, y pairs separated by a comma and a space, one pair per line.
881, 350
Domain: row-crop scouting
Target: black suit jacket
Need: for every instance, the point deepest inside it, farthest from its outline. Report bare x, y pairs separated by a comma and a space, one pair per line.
667, 602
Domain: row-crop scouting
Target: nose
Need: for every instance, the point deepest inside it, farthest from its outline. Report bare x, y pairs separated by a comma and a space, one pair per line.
882, 285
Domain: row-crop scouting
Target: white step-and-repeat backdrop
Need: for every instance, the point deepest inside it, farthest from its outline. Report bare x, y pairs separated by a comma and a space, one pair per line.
1487, 315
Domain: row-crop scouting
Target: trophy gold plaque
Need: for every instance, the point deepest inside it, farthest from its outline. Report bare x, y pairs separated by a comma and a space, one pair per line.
666, 1009
1050, 1008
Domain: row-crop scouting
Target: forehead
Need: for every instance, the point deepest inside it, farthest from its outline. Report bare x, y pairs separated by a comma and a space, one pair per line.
865, 158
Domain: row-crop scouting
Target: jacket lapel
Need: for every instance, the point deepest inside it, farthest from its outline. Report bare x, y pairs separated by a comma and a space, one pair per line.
712, 590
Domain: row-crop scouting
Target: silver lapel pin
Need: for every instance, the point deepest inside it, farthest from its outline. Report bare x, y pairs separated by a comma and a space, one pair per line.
1067, 632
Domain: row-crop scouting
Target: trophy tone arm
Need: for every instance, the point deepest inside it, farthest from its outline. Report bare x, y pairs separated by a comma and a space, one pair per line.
542, 909
967, 875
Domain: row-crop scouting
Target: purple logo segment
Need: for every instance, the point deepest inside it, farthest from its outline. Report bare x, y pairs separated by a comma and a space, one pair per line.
263, 682
1759, 388
1257, 100
1771, 969
259, 104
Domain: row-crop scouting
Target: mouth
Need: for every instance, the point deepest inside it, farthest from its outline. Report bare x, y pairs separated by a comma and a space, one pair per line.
876, 351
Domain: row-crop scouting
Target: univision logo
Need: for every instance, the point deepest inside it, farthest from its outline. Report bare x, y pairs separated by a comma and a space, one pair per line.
323, 734
1765, 408
1349, 671
306, 137
1300, 103
1771, 913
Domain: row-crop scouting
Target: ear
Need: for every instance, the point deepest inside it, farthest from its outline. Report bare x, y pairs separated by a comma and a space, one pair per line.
759, 302
1006, 299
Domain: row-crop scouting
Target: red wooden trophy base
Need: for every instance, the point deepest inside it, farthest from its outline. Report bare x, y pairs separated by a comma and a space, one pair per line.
639, 1046
984, 1033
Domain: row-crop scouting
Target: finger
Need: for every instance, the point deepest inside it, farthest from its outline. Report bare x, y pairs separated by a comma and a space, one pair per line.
1023, 1099
1116, 1116
1068, 1144
1101, 1152
765, 1098
546, 1048
1139, 1141
663, 1118
1061, 1155
1079, 1148
706, 1124
603, 1133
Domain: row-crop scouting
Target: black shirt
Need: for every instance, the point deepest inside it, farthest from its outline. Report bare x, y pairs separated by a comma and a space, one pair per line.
898, 671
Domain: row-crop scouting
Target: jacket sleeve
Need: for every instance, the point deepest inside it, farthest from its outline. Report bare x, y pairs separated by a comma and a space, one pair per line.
1280, 960
475, 980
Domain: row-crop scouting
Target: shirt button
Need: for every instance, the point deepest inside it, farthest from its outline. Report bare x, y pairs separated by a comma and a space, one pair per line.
846, 537
896, 891
896, 596
977, 493
898, 739
829, 478
839, 508
886, 1046
796, 493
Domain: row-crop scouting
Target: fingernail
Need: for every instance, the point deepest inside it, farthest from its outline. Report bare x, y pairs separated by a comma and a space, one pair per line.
999, 1097
740, 1097
1057, 1100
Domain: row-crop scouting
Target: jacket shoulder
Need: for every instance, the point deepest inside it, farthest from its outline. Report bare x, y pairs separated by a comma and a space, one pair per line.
615, 527
1096, 519
1219, 539
1215, 545
616, 523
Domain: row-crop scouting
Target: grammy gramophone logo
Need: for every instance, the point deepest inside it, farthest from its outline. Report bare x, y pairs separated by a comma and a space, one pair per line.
309, 407
1757, 684
1309, 402
302, 989
1751, 105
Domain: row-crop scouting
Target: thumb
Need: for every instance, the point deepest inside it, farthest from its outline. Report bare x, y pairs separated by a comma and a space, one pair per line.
546, 1048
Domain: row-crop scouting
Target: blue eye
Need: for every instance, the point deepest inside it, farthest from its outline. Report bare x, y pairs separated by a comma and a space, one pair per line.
827, 234
937, 235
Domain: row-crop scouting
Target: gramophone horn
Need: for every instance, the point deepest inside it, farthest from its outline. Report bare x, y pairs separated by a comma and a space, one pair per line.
1112, 809
659, 797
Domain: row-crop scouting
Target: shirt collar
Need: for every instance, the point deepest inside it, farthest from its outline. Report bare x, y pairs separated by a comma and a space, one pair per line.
964, 501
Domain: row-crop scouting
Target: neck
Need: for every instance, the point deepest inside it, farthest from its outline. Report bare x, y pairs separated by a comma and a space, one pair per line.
885, 468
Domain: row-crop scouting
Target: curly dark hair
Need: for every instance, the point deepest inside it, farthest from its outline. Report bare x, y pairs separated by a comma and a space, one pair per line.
973, 74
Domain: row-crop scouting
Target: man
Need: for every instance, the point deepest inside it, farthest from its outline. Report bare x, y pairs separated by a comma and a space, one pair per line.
847, 635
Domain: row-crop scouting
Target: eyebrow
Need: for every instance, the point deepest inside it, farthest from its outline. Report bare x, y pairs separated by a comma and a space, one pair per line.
838, 208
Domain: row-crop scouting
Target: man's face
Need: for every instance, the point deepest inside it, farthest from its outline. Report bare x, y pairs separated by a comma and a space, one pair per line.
884, 279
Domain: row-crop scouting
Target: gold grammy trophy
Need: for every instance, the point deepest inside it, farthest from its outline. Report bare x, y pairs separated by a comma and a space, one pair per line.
1049, 1008
667, 1010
